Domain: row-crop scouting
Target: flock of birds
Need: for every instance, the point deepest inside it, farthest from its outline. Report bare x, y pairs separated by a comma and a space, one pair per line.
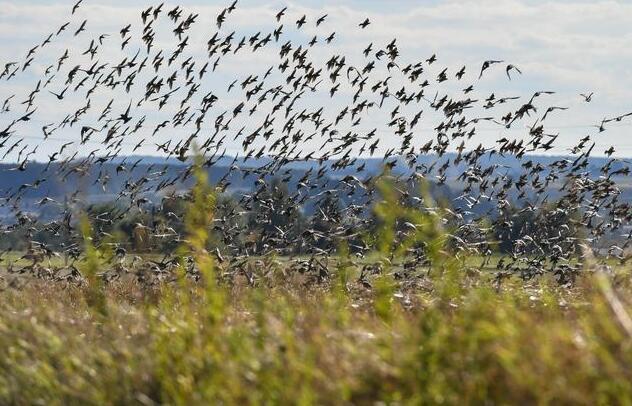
304, 102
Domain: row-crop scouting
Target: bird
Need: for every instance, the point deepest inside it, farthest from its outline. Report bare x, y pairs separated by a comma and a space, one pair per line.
509, 68
82, 27
76, 6
321, 19
486, 65
280, 14
587, 97
60, 96
551, 109
301, 21
62, 28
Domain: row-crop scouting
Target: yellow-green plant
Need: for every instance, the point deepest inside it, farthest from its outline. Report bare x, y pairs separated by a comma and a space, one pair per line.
94, 294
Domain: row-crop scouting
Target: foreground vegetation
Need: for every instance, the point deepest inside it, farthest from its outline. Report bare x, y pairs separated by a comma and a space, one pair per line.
449, 334
283, 342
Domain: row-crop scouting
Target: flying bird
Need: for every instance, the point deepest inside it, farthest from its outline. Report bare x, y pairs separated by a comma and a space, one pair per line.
76, 6
509, 68
486, 65
587, 97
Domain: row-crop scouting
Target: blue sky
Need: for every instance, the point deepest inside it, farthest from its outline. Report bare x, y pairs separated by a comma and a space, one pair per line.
569, 46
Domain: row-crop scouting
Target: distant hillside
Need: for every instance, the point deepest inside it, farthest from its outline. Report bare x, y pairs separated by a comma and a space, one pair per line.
157, 170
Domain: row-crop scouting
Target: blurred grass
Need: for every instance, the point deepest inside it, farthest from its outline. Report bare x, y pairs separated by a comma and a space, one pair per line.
452, 337
323, 345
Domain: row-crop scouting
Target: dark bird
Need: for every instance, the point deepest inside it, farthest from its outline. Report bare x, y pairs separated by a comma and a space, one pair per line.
81, 28
460, 73
587, 97
280, 14
60, 96
509, 68
62, 28
300, 22
609, 151
486, 66
221, 17
76, 6
551, 109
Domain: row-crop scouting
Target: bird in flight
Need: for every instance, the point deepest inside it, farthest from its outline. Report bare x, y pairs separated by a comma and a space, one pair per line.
76, 6
486, 65
60, 96
587, 97
509, 68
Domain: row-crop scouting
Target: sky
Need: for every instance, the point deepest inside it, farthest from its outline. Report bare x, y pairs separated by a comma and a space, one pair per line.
569, 46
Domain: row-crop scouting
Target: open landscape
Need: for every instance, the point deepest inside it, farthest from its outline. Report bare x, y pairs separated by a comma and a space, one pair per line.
305, 203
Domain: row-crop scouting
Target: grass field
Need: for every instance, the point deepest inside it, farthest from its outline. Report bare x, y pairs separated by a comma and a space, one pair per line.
271, 333
448, 338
